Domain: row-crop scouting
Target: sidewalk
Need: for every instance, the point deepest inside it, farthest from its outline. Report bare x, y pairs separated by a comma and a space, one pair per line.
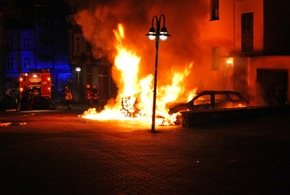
60, 153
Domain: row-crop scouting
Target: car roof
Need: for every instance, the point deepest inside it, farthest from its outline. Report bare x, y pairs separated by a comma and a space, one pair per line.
217, 91
205, 92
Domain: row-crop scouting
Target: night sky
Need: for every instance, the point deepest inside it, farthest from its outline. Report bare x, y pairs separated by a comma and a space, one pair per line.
19, 13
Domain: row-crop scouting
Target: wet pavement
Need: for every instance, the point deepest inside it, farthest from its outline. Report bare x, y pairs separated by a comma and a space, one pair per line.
57, 152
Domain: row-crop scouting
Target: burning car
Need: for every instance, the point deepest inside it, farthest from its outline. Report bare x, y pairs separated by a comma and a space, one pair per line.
211, 100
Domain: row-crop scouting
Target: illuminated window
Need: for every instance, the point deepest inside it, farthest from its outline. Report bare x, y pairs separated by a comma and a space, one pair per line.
247, 32
10, 63
26, 43
214, 10
215, 58
26, 62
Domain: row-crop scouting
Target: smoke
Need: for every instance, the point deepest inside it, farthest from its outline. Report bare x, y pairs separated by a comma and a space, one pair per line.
183, 20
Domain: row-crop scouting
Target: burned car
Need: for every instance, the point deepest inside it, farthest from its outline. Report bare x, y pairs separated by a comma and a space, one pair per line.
211, 100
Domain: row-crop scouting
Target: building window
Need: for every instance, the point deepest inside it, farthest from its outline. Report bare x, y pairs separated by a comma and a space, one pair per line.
88, 47
10, 43
10, 63
215, 58
45, 43
26, 62
45, 57
26, 43
247, 32
44, 23
214, 5
77, 45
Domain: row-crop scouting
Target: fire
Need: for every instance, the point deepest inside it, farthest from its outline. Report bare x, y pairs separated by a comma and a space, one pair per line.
135, 95
127, 63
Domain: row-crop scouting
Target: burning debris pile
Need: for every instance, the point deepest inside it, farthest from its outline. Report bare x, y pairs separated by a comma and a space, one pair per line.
128, 106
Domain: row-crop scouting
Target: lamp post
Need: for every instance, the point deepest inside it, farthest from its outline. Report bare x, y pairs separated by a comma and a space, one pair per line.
78, 69
158, 34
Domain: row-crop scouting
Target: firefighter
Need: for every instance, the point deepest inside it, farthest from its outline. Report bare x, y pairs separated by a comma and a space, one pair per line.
89, 95
95, 97
68, 97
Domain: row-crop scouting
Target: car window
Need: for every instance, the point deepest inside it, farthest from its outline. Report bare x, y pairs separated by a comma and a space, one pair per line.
234, 97
219, 98
203, 99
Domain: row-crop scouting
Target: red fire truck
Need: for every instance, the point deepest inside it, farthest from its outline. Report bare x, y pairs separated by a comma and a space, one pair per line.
35, 90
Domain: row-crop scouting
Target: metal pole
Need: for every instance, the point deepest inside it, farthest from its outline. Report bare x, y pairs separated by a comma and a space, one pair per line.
78, 69
78, 78
155, 76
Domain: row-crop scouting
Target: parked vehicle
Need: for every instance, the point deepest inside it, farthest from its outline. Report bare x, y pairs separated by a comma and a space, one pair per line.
212, 100
34, 90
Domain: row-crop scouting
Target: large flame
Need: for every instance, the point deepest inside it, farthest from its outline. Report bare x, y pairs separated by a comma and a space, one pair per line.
135, 95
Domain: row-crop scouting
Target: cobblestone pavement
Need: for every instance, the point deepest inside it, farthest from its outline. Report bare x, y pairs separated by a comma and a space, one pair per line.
57, 152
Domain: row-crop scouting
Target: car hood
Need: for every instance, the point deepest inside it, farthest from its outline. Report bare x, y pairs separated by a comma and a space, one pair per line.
177, 107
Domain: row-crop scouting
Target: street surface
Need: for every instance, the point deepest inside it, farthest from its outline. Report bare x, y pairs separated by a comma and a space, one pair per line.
58, 152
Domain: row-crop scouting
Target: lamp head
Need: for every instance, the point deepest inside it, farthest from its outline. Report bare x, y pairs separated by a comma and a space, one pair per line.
163, 33
151, 34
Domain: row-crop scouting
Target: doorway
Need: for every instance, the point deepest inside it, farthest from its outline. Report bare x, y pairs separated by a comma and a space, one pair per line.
273, 85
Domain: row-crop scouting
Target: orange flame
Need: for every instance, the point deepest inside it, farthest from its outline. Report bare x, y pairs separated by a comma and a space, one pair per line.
135, 95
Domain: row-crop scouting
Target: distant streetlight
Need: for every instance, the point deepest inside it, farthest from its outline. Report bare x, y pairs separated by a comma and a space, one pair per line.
158, 34
78, 69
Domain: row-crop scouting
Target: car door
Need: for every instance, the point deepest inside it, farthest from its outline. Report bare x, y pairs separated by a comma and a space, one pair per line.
221, 100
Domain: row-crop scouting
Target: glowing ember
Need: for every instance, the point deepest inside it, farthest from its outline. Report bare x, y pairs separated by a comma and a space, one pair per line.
135, 95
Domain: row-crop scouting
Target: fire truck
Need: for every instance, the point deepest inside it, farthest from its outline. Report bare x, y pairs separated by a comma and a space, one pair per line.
35, 90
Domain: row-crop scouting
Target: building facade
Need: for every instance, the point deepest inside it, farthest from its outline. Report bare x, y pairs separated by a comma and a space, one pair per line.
52, 40
249, 48
51, 48
89, 67
40, 43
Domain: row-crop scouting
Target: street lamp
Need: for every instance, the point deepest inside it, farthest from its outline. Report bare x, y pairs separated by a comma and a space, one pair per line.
78, 69
158, 34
